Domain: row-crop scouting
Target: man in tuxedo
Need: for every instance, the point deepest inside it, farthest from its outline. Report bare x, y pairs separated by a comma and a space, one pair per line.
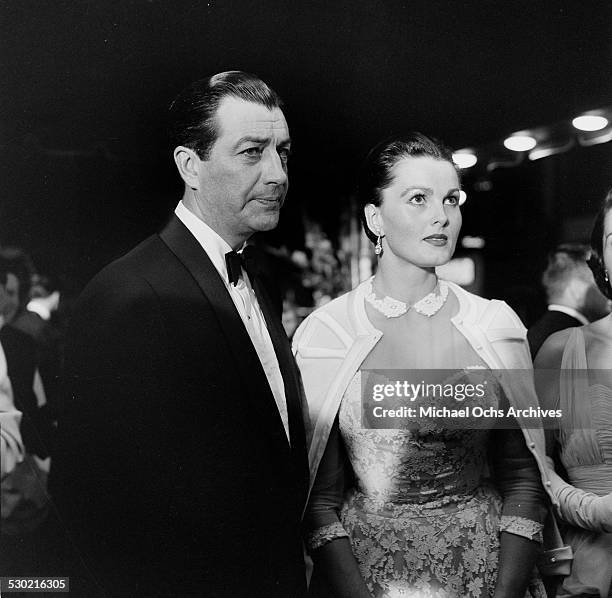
183, 463
573, 297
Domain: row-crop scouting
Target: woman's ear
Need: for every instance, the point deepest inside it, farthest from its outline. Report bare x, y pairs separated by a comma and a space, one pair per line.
373, 219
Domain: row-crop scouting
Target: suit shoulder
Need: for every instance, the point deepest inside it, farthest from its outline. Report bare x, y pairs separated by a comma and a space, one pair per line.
136, 263
11, 338
124, 281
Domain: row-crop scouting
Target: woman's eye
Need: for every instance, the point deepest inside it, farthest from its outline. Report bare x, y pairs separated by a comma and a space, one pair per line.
452, 200
418, 199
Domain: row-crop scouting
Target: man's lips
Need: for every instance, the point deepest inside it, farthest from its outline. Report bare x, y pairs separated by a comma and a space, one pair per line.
436, 240
271, 202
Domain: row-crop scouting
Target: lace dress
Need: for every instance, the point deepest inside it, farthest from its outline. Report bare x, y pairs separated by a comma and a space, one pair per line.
585, 450
421, 514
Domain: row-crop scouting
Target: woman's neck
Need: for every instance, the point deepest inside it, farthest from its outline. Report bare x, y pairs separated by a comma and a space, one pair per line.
403, 281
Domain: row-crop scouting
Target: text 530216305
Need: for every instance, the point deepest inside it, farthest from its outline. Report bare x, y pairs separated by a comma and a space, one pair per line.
34, 584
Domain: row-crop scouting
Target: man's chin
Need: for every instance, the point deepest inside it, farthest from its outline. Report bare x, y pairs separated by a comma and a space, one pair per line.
267, 222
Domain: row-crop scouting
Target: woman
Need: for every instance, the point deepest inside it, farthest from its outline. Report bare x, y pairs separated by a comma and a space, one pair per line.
583, 441
420, 518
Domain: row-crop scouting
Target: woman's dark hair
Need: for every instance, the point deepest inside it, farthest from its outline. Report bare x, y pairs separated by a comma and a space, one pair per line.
596, 262
375, 174
192, 113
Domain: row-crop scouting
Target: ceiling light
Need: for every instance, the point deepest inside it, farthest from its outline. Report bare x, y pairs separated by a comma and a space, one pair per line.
464, 159
590, 122
520, 143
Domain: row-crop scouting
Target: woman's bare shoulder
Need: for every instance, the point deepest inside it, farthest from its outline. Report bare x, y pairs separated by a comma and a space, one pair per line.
550, 354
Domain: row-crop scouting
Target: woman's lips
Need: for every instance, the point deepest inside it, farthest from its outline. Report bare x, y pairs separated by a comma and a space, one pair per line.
436, 240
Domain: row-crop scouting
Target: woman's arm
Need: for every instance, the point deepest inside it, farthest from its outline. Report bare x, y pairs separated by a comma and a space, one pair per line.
327, 541
523, 513
580, 508
577, 507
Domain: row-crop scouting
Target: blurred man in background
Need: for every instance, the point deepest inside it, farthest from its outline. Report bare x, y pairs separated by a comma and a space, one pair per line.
572, 295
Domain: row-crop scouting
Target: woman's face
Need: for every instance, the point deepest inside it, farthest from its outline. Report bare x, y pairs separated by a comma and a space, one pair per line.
419, 215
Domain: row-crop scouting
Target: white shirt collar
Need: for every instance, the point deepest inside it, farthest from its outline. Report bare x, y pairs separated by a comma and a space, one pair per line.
570, 311
213, 244
38, 307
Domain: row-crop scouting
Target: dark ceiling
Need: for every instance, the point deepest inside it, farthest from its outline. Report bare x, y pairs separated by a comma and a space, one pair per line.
86, 84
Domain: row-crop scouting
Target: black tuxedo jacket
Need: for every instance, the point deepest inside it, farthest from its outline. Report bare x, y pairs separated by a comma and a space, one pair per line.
21, 360
175, 474
551, 321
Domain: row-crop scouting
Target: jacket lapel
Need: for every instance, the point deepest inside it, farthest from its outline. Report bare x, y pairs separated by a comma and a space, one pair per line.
245, 360
291, 379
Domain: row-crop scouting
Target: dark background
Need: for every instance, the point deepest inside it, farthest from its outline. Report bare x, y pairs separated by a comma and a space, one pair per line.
86, 171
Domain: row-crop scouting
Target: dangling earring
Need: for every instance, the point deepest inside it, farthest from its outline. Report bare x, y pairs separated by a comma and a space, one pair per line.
379, 248
606, 277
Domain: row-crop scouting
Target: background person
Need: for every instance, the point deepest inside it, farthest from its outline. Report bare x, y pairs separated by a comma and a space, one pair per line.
11, 447
583, 442
572, 295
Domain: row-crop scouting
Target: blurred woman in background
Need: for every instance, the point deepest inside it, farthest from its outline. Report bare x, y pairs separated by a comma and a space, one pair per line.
583, 442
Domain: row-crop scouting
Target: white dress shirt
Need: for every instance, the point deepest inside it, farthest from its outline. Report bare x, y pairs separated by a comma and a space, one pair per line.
570, 311
246, 303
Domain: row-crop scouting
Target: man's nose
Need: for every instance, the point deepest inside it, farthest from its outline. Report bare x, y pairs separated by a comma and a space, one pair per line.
275, 170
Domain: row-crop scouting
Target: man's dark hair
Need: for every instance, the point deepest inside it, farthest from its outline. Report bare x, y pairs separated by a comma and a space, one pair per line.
15, 261
375, 174
596, 262
192, 113
565, 262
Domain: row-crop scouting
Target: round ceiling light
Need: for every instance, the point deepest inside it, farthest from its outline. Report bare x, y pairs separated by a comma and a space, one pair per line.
520, 143
590, 122
464, 159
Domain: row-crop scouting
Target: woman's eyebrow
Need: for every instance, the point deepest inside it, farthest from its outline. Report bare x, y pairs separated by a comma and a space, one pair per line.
415, 188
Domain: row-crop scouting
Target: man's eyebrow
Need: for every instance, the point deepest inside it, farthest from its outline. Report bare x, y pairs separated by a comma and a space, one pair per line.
261, 141
251, 139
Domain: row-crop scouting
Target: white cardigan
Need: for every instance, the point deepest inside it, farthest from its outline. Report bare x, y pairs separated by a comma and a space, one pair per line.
331, 344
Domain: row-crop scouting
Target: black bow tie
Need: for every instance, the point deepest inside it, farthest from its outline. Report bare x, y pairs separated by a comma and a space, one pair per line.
237, 261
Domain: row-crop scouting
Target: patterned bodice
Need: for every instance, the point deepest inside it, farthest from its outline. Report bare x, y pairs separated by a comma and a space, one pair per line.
421, 465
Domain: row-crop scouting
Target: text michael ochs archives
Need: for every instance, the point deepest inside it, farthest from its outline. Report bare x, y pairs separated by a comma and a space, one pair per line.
450, 399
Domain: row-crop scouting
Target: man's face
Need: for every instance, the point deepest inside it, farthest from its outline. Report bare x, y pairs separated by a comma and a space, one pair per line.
9, 297
243, 182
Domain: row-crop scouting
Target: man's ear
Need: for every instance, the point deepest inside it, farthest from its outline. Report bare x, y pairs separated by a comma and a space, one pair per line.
575, 292
188, 164
372, 217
